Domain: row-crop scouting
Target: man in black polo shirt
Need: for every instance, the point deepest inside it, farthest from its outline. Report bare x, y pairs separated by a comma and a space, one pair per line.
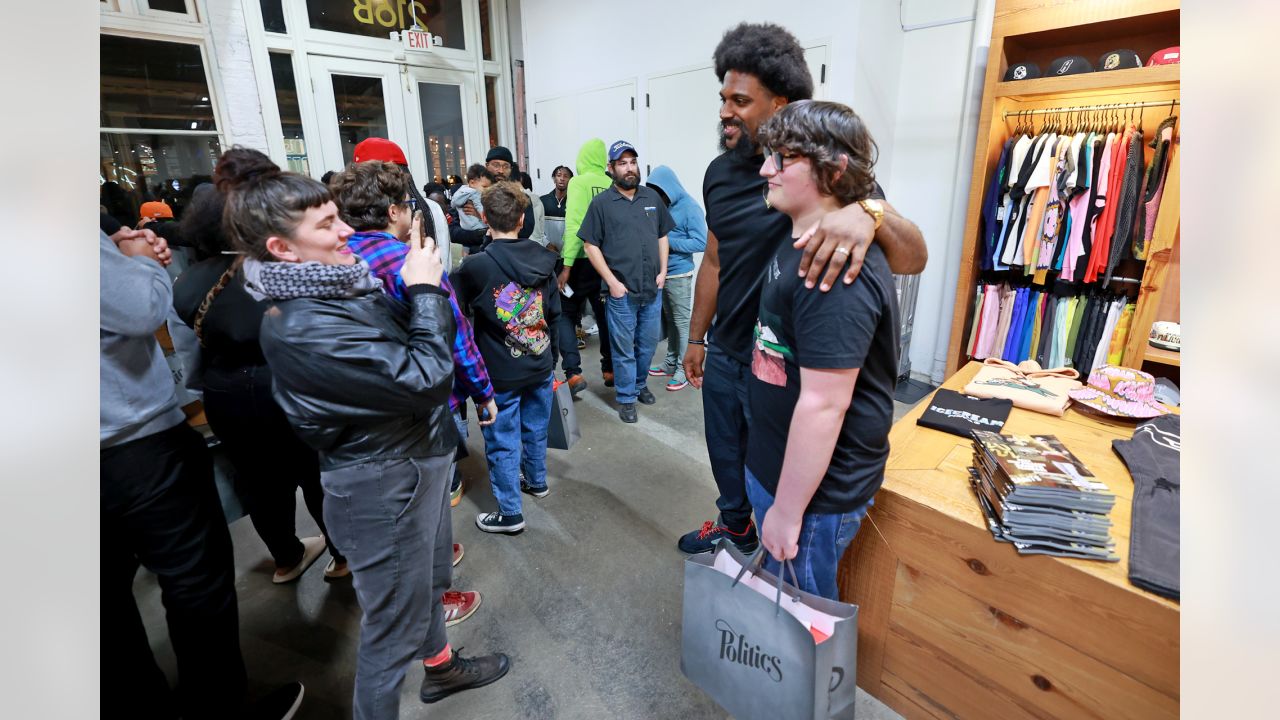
625, 235
761, 68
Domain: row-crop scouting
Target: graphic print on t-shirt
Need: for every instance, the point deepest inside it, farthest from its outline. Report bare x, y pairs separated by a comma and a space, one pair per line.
520, 309
769, 354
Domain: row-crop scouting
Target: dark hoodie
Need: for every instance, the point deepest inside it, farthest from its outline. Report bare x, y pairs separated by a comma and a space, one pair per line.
511, 291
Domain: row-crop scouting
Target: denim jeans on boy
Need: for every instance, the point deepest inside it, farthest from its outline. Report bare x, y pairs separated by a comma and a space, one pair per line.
518, 441
391, 519
677, 307
823, 540
634, 326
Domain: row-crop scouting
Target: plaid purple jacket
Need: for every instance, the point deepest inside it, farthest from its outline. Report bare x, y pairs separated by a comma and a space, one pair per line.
385, 255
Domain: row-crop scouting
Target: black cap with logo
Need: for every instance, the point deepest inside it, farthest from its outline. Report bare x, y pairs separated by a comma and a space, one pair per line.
1119, 60
1069, 65
1022, 71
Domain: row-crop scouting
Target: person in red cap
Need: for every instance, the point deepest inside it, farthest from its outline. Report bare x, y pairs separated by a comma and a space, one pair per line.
434, 223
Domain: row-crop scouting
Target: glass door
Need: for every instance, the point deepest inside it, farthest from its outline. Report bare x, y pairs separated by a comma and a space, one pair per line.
445, 119
356, 99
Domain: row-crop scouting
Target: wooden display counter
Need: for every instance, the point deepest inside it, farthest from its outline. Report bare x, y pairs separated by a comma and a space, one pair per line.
956, 625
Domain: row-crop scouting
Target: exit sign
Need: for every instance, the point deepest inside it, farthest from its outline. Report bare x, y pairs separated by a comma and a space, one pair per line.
419, 40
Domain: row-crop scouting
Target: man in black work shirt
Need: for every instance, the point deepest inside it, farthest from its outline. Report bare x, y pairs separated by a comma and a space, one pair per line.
761, 68
625, 235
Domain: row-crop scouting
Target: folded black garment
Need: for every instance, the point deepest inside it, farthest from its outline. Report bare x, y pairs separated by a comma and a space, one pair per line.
1153, 457
959, 414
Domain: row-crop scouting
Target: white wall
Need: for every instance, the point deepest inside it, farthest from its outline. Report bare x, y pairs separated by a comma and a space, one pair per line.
665, 36
940, 85
235, 77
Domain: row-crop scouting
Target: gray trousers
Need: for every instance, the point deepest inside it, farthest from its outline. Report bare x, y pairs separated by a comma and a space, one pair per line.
677, 307
391, 520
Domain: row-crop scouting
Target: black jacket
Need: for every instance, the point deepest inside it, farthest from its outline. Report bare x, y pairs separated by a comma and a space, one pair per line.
365, 378
232, 323
510, 289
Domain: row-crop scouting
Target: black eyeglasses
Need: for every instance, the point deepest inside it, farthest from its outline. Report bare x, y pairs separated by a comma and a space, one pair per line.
778, 157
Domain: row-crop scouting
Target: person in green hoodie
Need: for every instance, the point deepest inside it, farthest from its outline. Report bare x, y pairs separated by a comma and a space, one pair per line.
579, 282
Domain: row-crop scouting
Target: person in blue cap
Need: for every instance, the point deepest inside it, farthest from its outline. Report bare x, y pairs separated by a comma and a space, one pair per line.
625, 235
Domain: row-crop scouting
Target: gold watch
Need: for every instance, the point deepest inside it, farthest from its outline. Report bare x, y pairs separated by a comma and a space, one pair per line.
875, 209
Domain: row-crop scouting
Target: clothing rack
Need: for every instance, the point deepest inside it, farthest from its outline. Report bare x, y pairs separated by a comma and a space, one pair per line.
1171, 104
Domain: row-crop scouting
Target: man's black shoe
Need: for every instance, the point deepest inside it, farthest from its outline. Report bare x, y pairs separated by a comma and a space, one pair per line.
704, 539
646, 397
627, 411
462, 674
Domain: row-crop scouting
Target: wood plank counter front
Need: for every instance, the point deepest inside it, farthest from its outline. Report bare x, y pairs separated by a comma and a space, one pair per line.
953, 624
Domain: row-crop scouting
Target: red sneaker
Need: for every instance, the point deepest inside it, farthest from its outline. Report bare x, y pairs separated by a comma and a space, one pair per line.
459, 606
457, 554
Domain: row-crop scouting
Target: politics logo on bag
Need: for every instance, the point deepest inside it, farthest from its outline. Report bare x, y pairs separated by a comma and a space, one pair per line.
735, 648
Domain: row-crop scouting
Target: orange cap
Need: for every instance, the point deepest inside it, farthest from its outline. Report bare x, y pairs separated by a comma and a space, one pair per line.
156, 209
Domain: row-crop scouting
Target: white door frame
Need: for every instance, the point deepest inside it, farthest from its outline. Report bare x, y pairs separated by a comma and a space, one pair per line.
474, 132
394, 102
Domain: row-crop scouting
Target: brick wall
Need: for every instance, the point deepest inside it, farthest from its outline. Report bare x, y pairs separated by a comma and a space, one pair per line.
239, 99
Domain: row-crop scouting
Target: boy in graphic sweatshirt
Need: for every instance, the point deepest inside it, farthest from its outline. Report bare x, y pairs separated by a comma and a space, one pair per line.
512, 292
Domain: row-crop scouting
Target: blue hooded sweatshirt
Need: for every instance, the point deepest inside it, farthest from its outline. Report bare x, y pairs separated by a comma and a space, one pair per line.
690, 233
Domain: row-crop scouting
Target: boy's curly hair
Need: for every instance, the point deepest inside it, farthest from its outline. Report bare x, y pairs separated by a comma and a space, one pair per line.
824, 132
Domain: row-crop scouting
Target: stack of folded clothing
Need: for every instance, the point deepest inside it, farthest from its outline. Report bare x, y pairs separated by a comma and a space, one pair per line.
1038, 496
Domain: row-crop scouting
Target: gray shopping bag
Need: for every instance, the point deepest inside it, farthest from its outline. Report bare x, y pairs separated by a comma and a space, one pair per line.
753, 656
562, 432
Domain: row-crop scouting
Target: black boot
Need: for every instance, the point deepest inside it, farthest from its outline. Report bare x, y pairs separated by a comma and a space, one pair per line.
462, 674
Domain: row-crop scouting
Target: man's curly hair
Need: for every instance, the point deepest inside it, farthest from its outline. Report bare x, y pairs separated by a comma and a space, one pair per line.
823, 132
771, 54
366, 191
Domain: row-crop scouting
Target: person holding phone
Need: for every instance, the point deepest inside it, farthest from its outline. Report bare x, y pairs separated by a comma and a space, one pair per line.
512, 292
365, 380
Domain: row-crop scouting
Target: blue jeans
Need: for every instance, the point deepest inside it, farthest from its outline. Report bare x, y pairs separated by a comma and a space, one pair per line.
823, 540
726, 415
518, 441
634, 327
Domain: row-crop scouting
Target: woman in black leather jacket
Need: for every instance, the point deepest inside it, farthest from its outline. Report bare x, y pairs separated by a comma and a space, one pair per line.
270, 462
366, 382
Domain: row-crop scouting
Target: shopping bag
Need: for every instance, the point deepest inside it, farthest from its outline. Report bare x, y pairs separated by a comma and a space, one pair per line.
562, 432
753, 654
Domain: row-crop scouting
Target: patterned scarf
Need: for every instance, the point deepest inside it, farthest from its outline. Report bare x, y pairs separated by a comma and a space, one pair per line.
285, 281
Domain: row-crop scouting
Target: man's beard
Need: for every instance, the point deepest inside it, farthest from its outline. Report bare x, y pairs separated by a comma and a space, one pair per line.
628, 182
746, 147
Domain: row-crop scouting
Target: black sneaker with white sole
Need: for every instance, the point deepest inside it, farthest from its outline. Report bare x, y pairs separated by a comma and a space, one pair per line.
462, 674
538, 492
499, 523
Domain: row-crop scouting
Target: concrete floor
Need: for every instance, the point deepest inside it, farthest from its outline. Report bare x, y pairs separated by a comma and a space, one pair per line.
586, 601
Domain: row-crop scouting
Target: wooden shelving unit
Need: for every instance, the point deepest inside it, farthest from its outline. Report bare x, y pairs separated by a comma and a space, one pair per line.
1040, 31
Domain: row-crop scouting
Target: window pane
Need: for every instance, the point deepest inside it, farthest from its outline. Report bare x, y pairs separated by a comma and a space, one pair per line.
486, 31
443, 130
138, 167
360, 111
152, 84
273, 16
178, 6
295, 145
377, 18
491, 102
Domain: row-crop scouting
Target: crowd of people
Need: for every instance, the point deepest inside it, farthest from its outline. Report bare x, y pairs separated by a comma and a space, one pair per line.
336, 348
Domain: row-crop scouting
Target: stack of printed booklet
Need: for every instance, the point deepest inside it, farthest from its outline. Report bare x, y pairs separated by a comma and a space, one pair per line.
1038, 496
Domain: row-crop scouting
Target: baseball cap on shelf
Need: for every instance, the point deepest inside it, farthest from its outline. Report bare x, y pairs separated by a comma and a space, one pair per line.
1119, 60
1069, 65
1167, 56
376, 148
498, 152
1022, 71
155, 210
619, 147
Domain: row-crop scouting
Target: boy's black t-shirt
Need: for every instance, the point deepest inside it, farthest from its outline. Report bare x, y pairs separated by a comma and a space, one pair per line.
733, 193
852, 326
